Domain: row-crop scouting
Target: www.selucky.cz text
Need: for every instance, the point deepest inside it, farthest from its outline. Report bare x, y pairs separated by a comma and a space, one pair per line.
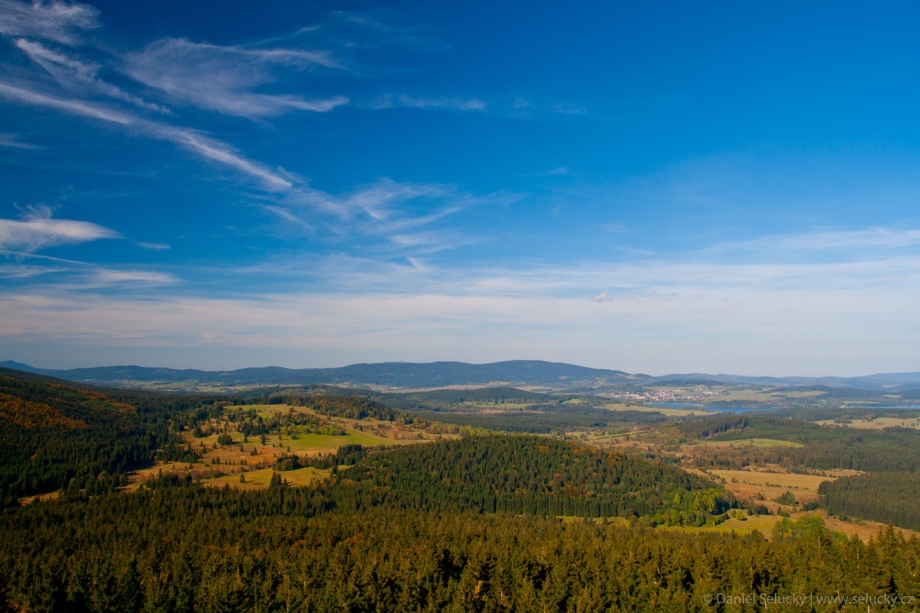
808, 600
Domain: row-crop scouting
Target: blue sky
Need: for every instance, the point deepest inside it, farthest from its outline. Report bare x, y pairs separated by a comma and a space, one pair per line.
651, 187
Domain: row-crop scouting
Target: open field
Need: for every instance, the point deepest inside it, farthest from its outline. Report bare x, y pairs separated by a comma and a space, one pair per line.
752, 394
764, 524
875, 424
495, 406
39, 498
259, 479
670, 412
748, 484
750, 442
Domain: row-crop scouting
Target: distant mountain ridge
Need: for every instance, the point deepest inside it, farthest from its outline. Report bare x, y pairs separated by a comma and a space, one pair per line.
394, 374
441, 374
877, 382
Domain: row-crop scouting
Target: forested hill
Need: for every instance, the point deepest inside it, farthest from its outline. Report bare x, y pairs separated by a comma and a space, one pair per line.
401, 374
821, 447
530, 475
55, 434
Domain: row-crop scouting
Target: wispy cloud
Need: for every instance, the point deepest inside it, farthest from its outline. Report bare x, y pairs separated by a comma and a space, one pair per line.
641, 276
37, 230
78, 107
751, 327
54, 20
219, 152
406, 216
21, 271
212, 77
368, 31
74, 73
825, 241
154, 246
554, 172
225, 79
105, 276
417, 263
441, 103
376, 200
9, 140
566, 108
75, 276
200, 144
459, 104
290, 217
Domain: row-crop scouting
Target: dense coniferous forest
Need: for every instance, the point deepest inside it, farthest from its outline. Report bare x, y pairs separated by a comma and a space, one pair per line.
185, 548
823, 448
541, 422
887, 497
530, 475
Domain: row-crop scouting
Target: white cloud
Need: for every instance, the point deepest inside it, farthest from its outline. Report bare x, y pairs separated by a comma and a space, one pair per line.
38, 230
405, 216
416, 263
826, 241
9, 140
77, 74
654, 315
21, 271
54, 20
220, 152
378, 201
208, 148
77, 107
817, 330
154, 246
105, 276
224, 79
569, 109
444, 103
290, 217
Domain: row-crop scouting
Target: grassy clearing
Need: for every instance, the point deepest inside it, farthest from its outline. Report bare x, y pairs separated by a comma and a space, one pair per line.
764, 524
760, 396
259, 479
670, 412
252, 451
614, 521
750, 442
765, 487
496, 406
39, 497
773, 479
875, 424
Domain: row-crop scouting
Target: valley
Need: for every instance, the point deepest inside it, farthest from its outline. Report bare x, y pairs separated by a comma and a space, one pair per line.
334, 465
